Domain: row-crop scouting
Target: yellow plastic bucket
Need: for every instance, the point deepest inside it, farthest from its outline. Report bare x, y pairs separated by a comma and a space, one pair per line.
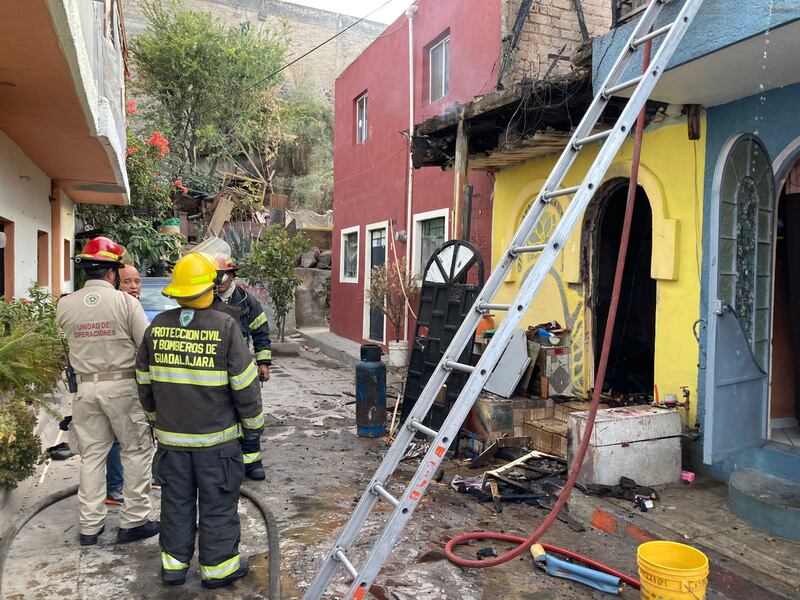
672, 571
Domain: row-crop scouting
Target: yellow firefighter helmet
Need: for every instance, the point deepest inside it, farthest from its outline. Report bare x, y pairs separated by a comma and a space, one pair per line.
192, 282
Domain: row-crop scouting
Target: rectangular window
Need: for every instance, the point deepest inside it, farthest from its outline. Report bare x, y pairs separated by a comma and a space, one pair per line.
439, 65
67, 261
362, 129
43, 258
431, 236
349, 256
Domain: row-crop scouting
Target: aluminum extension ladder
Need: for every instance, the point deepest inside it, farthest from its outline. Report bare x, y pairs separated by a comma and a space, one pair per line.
583, 136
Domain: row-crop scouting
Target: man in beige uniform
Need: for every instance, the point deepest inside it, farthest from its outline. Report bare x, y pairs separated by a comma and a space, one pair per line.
104, 327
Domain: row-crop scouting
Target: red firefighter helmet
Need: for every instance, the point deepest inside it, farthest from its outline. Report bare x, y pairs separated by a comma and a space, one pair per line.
100, 251
226, 263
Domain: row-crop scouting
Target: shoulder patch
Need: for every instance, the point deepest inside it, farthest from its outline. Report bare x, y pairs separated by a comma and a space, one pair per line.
186, 316
92, 299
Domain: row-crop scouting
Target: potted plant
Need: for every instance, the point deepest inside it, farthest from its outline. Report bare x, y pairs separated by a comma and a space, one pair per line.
392, 287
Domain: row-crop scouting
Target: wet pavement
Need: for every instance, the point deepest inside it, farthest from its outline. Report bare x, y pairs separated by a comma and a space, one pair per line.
317, 468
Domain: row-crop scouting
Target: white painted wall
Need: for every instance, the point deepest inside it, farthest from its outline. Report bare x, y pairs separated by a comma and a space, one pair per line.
97, 71
67, 233
24, 199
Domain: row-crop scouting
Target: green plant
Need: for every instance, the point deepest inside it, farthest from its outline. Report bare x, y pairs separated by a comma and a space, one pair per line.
32, 351
210, 84
271, 265
31, 358
20, 448
389, 286
146, 245
240, 237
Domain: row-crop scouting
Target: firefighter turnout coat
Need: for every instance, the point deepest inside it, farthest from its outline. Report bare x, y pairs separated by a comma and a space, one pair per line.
197, 381
199, 387
253, 322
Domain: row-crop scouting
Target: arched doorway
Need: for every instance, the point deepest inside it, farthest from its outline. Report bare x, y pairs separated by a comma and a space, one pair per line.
785, 387
741, 252
630, 366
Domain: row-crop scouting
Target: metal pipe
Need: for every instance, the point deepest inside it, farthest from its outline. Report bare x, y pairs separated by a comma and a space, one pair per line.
411, 11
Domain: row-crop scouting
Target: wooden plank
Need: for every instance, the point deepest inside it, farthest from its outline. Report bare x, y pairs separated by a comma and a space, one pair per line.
461, 175
221, 215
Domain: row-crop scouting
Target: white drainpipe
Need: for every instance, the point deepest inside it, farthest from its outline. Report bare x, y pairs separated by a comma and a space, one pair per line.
411, 11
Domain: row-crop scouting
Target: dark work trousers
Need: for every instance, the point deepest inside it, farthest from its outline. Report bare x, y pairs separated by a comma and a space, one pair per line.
251, 452
207, 480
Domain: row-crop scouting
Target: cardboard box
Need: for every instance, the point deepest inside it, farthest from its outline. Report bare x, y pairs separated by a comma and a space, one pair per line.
562, 411
549, 436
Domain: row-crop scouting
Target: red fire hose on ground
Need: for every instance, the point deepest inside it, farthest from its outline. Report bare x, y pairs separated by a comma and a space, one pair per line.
525, 543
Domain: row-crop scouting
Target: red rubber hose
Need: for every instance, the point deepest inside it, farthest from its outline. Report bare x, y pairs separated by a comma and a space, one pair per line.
563, 497
504, 537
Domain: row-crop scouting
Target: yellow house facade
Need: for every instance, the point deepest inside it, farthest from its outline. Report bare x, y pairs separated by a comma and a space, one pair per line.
671, 176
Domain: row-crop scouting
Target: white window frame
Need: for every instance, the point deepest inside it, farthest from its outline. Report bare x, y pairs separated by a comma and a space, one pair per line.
342, 236
445, 69
368, 274
362, 136
418, 218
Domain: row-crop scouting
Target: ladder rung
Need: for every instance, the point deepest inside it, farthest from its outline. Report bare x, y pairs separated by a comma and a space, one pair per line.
451, 364
417, 426
589, 139
381, 491
342, 558
652, 35
485, 306
563, 191
523, 249
608, 92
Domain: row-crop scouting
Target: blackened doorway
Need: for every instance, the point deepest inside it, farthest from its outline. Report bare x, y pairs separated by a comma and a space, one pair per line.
630, 366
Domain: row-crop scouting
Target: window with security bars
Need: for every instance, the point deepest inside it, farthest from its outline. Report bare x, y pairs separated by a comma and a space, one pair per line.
431, 236
625, 10
744, 285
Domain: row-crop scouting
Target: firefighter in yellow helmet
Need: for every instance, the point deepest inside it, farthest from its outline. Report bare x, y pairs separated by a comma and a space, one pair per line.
199, 388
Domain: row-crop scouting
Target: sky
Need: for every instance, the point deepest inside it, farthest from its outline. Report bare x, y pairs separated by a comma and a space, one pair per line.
359, 8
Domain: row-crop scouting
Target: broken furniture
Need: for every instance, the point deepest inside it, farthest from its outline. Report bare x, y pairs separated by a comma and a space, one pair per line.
511, 367
643, 443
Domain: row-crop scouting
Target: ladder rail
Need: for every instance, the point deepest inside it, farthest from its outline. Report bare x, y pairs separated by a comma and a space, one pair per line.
477, 378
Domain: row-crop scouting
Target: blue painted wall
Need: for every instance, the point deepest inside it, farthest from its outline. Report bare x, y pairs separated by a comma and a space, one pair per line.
775, 118
718, 24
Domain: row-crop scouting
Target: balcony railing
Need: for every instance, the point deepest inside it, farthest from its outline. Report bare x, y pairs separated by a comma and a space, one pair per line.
624, 10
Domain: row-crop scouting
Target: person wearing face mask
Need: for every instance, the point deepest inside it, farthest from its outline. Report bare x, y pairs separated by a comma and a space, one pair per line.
103, 328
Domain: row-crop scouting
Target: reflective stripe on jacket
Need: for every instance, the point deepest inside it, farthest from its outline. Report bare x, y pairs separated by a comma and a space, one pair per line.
197, 383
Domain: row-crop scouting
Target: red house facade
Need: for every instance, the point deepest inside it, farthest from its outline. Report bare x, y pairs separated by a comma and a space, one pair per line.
455, 50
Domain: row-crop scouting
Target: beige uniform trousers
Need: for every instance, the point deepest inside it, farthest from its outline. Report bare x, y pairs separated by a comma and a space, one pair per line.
101, 411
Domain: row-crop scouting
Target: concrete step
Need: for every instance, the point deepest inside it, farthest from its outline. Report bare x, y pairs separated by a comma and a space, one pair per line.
777, 459
767, 502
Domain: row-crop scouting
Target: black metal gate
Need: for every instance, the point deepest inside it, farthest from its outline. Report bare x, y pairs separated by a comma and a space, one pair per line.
445, 299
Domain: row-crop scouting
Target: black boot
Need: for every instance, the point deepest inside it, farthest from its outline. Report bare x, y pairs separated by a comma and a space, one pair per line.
91, 540
141, 532
170, 577
214, 584
255, 471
